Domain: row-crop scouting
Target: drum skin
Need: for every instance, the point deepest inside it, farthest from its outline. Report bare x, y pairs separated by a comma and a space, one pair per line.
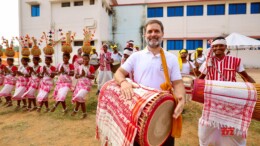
155, 122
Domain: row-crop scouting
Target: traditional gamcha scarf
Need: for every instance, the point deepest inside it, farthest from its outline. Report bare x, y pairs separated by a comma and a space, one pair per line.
228, 104
177, 123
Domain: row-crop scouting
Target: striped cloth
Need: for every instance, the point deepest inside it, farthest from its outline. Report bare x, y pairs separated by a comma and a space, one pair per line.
229, 104
116, 117
226, 66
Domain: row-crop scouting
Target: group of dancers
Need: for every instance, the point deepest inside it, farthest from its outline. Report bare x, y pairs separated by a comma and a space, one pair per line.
27, 80
34, 83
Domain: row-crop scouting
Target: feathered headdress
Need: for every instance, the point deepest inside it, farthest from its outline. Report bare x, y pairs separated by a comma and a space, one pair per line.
66, 47
36, 52
9, 52
88, 36
50, 42
25, 42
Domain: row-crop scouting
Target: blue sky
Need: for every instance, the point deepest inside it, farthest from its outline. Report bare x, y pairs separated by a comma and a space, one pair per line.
9, 27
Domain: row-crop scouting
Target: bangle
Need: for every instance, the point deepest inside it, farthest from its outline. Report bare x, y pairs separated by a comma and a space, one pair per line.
122, 81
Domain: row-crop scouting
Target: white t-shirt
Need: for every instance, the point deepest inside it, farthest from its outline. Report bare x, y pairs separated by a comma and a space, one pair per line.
186, 67
116, 57
201, 59
148, 70
93, 59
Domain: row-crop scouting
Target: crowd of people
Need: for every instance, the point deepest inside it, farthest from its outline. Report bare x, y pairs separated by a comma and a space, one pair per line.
34, 83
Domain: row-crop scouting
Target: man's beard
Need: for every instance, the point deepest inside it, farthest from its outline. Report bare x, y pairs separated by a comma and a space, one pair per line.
153, 44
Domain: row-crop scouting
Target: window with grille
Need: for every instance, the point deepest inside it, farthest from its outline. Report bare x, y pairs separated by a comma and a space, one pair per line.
195, 10
155, 12
175, 11
235, 9
92, 2
65, 4
216, 9
78, 3
174, 44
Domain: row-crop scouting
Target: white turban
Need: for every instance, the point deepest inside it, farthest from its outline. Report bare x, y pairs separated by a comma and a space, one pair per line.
128, 52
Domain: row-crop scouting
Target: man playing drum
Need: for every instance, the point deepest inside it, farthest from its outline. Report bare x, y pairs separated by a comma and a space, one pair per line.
148, 70
186, 66
221, 67
116, 56
188, 72
105, 61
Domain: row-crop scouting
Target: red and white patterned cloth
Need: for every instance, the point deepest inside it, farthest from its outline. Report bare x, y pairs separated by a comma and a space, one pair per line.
33, 84
2, 77
64, 82
116, 117
46, 84
228, 104
83, 85
9, 82
104, 64
21, 84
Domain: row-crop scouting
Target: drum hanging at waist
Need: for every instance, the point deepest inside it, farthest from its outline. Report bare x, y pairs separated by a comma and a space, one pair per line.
114, 66
198, 96
153, 115
188, 82
94, 63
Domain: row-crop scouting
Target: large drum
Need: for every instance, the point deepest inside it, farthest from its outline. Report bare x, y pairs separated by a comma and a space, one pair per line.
114, 66
188, 84
153, 115
155, 122
198, 94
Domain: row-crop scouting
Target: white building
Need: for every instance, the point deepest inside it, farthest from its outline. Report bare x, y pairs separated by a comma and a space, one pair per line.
190, 23
37, 16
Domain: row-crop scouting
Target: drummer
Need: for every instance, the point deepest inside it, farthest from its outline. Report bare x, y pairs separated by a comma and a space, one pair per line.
199, 57
148, 70
116, 55
186, 66
94, 61
105, 61
127, 53
187, 69
214, 69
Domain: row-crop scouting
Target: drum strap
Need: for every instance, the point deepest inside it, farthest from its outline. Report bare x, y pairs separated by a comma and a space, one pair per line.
166, 85
176, 123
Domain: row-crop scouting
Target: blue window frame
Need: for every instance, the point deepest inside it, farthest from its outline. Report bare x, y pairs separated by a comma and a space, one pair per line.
174, 44
175, 11
194, 44
216, 9
35, 10
255, 8
155, 12
195, 10
237, 9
